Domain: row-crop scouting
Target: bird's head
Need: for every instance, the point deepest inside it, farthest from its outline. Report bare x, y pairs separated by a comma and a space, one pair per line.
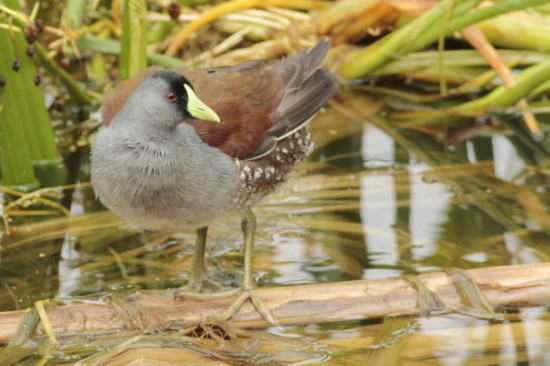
168, 99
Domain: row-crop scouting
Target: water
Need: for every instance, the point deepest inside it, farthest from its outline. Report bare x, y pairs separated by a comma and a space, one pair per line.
373, 202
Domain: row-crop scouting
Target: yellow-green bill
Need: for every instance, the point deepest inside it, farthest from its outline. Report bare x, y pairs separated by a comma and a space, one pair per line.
197, 108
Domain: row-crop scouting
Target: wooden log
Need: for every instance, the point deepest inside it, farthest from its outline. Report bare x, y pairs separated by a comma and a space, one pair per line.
502, 287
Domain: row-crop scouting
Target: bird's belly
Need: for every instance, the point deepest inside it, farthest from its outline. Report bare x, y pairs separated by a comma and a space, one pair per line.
165, 200
154, 208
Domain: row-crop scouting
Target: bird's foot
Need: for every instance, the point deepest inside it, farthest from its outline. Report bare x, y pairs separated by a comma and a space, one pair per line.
250, 293
204, 288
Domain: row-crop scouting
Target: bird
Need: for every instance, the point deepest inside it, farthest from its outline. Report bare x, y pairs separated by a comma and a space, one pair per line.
183, 148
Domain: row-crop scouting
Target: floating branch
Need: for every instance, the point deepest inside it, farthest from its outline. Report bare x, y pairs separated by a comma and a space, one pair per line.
504, 287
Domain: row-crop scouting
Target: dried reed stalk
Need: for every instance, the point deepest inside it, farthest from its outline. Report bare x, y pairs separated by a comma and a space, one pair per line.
477, 39
501, 287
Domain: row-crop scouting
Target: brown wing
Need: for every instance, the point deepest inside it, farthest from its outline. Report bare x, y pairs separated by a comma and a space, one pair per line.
266, 102
244, 96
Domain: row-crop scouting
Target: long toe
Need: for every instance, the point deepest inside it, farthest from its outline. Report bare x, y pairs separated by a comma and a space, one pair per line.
262, 308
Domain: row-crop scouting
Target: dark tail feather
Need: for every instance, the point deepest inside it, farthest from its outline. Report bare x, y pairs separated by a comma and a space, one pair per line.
307, 88
306, 102
298, 68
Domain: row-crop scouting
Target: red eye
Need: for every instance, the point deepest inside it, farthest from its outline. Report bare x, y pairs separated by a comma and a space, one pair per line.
170, 97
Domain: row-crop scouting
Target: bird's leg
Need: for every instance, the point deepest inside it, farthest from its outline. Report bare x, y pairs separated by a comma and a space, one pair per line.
248, 289
198, 280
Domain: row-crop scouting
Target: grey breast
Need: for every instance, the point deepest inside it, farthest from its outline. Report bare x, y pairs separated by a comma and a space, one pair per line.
169, 181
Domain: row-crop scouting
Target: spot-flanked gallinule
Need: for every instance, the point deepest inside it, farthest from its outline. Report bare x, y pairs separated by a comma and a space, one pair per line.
167, 161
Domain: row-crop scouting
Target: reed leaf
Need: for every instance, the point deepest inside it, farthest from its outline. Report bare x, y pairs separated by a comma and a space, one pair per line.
74, 12
91, 43
15, 158
502, 97
133, 57
528, 31
423, 31
26, 135
474, 16
401, 41
457, 58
